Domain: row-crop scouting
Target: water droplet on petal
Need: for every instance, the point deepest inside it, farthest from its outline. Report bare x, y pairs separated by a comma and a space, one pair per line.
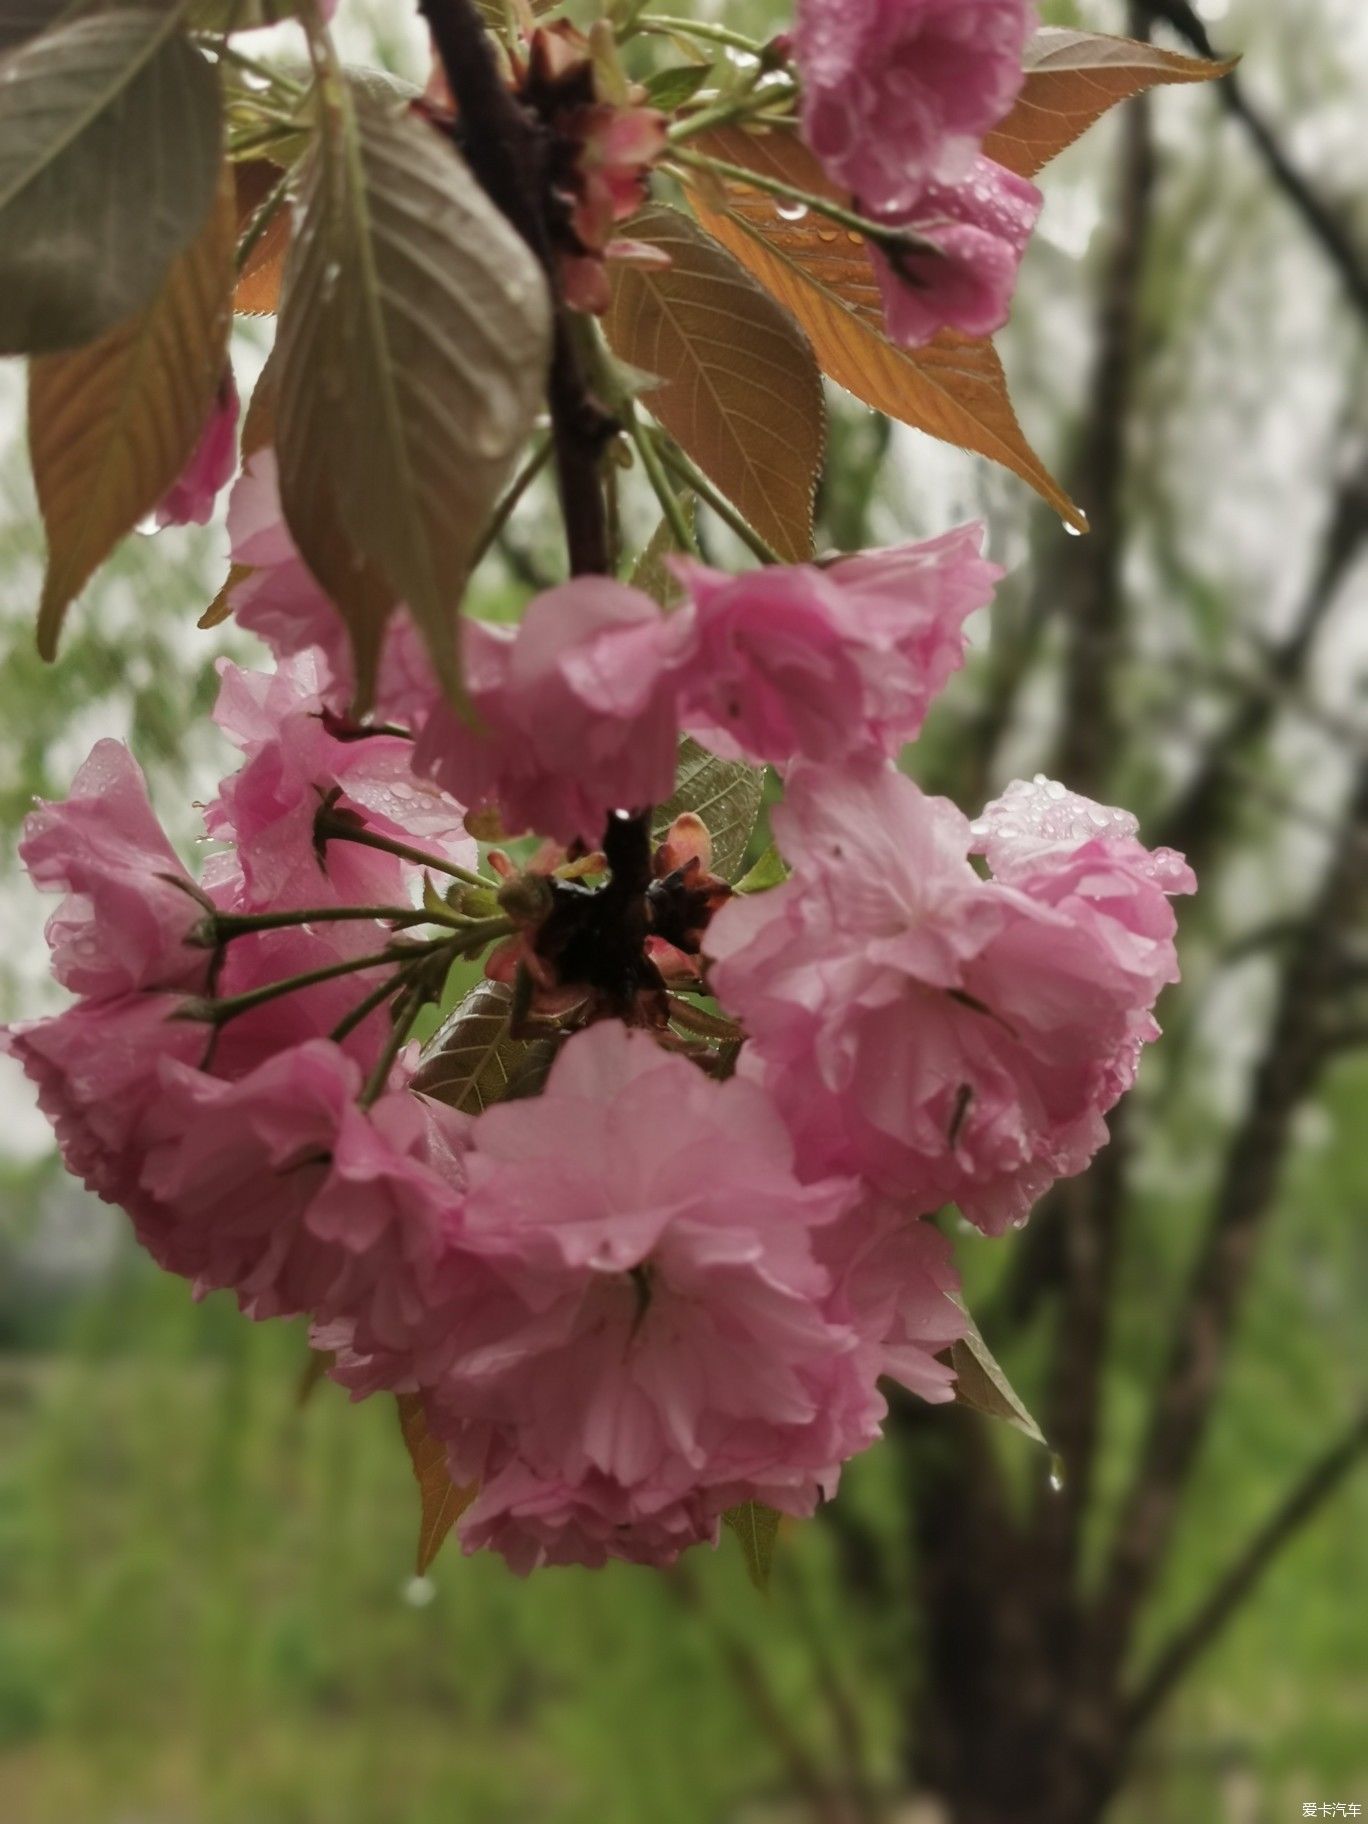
826, 234
149, 525
791, 211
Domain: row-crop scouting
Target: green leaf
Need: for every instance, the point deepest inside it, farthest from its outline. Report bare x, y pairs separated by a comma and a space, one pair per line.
726, 794
472, 1060
649, 573
770, 871
413, 345
981, 1384
110, 143
670, 89
443, 1502
740, 388
757, 1527
112, 425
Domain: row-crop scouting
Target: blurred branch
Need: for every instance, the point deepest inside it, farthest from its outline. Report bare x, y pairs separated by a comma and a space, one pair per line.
1296, 1051
1093, 601
748, 1675
1192, 1640
1321, 221
1196, 821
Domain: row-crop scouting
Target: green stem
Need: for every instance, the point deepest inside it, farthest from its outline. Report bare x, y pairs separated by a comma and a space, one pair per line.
220, 1012
689, 472
363, 1010
697, 28
726, 113
895, 240
335, 831
277, 78
670, 502
536, 462
239, 924
414, 1000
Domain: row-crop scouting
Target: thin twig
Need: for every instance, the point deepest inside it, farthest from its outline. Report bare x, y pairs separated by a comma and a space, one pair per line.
1174, 1661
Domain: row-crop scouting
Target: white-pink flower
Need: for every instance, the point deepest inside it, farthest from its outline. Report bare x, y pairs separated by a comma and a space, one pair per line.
948, 1037
575, 711
829, 661
900, 93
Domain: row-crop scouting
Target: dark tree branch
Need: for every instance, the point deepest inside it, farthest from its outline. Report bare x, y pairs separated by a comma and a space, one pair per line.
1295, 1054
1320, 220
505, 147
1192, 1640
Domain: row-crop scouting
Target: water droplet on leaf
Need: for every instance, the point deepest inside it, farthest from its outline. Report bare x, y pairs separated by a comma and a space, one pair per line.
419, 1592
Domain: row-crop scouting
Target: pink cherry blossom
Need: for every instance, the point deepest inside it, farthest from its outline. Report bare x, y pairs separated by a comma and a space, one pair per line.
666, 1331
191, 500
296, 757
894, 1282
130, 911
575, 711
980, 225
96, 1069
948, 1037
900, 93
829, 662
280, 1188
279, 598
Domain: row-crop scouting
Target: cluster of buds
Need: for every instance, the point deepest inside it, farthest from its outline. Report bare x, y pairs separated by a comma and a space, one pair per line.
607, 934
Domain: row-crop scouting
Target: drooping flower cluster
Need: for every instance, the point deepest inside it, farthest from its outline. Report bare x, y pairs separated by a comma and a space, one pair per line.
654, 1290
647, 1227
898, 96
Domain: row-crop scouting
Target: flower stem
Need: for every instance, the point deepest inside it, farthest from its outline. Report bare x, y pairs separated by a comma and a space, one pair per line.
334, 829
412, 1001
688, 471
697, 28
665, 493
229, 925
522, 481
727, 113
882, 234
220, 1012
363, 1009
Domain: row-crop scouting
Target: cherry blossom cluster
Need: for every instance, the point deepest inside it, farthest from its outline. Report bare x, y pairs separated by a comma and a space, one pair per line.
673, 1269
898, 97
675, 1279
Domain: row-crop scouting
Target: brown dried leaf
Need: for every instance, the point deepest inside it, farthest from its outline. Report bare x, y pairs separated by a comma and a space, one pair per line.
1072, 78
112, 425
258, 286
954, 389
442, 1502
740, 388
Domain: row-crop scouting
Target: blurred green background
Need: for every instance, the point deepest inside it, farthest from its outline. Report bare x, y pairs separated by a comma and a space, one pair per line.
206, 1608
